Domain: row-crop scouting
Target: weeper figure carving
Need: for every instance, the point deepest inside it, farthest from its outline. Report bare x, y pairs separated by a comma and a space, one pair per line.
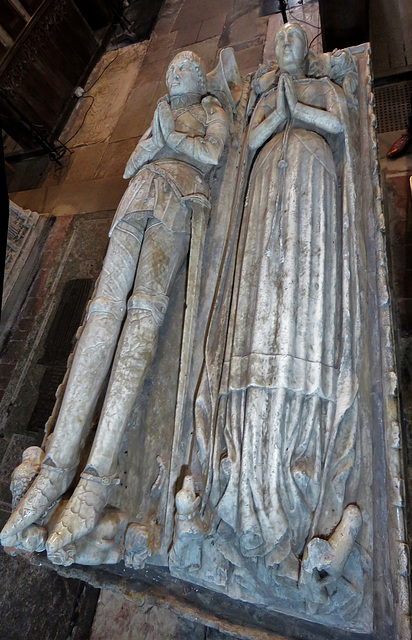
149, 241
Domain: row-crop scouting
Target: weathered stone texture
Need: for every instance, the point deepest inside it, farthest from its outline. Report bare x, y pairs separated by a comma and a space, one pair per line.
36, 603
40, 605
124, 619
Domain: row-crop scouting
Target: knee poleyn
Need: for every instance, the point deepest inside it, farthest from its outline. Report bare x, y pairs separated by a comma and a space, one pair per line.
116, 308
155, 303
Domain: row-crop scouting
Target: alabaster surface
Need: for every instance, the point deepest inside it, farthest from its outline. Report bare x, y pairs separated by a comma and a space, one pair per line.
241, 319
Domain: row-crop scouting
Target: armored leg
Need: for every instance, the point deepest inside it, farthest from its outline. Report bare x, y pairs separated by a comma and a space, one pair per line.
162, 254
94, 354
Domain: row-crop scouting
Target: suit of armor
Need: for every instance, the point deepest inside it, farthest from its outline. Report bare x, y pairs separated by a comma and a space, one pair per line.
149, 241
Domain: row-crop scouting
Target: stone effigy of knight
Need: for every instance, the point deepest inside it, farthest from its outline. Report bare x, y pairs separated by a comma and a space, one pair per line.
150, 238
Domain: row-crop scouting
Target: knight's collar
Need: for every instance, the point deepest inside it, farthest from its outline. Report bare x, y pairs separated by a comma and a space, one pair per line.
185, 100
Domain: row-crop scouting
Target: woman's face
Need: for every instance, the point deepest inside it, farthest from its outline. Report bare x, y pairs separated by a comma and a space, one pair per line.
290, 49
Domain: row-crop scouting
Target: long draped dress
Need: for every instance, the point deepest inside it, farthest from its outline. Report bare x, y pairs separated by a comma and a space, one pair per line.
286, 447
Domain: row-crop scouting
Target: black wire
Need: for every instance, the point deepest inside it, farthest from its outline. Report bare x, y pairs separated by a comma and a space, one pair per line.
84, 118
104, 70
64, 144
313, 39
304, 21
92, 97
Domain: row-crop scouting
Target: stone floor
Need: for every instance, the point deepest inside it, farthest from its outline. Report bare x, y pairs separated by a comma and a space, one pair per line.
43, 606
123, 619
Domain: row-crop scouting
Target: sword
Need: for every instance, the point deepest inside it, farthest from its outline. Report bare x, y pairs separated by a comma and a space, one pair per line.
200, 217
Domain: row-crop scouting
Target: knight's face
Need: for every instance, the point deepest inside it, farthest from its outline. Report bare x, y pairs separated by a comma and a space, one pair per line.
182, 77
290, 49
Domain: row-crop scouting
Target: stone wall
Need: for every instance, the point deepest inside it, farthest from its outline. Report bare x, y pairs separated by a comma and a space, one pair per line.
36, 603
125, 96
398, 211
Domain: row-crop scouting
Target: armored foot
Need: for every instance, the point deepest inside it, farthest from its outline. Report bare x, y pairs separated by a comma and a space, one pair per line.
82, 512
47, 487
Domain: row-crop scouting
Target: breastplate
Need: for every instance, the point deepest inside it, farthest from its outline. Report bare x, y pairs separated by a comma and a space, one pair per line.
191, 120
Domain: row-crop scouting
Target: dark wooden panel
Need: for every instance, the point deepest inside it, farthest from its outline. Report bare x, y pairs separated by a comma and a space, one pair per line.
52, 377
10, 19
3, 51
98, 13
58, 346
69, 314
13, 124
31, 5
344, 23
40, 72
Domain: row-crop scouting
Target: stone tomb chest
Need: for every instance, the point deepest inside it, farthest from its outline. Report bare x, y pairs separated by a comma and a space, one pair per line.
246, 465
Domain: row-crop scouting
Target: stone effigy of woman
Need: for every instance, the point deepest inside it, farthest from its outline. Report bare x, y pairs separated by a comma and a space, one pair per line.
278, 443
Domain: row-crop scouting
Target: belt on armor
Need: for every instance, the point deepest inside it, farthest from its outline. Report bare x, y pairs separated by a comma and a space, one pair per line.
153, 167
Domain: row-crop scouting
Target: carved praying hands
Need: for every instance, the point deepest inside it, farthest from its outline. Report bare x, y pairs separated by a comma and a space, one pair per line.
308, 114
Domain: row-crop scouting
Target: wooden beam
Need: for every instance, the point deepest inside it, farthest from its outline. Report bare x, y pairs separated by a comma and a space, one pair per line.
22, 11
6, 40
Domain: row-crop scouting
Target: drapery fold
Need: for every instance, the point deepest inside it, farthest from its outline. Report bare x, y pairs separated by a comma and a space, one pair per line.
276, 416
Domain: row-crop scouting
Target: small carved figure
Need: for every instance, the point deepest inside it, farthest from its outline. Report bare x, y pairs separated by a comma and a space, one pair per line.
24, 474
189, 528
324, 560
137, 547
149, 241
31, 539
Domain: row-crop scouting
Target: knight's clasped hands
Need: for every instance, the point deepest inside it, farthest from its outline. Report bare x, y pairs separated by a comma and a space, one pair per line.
164, 118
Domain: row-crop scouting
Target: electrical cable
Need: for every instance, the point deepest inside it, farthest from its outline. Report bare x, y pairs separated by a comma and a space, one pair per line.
104, 70
57, 152
313, 39
304, 21
85, 95
84, 118
60, 149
